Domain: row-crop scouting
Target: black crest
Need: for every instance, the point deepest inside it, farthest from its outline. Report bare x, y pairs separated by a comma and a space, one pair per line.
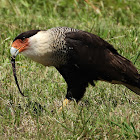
26, 34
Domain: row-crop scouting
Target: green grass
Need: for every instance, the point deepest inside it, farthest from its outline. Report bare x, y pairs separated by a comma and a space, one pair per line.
108, 112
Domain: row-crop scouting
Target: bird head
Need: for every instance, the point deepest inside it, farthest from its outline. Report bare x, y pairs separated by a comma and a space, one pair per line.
46, 47
34, 44
21, 42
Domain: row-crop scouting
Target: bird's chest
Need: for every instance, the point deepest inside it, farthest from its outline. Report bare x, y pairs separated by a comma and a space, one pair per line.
53, 54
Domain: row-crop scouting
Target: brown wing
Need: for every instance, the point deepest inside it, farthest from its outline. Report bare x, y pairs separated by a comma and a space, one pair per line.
100, 59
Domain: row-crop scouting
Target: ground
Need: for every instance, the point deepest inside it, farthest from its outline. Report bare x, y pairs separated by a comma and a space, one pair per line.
108, 112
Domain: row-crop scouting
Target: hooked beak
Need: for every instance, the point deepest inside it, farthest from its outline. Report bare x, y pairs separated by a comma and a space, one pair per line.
14, 52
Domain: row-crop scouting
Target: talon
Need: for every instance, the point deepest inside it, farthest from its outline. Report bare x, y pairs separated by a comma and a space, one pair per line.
65, 102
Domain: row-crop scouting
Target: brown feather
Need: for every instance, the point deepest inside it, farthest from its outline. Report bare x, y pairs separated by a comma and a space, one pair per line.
101, 61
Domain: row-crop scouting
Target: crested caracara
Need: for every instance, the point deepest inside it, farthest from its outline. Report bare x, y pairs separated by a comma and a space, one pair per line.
79, 56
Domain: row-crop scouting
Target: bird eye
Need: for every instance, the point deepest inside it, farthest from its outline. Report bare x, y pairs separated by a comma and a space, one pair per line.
23, 39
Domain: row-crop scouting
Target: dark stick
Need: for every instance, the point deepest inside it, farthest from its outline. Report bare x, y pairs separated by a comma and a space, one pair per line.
14, 73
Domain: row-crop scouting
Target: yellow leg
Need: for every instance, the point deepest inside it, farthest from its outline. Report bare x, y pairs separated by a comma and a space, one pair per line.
65, 102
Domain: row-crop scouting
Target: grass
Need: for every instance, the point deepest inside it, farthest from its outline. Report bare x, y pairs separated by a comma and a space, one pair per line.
108, 112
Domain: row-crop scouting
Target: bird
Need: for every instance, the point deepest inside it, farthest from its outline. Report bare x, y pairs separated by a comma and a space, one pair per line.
79, 56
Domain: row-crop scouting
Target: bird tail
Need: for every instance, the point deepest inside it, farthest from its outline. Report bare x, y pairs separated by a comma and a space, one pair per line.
131, 77
134, 88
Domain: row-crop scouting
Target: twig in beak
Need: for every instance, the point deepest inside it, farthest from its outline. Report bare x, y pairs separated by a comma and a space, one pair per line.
14, 73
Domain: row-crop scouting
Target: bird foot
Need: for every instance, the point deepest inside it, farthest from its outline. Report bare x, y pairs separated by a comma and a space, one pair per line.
65, 102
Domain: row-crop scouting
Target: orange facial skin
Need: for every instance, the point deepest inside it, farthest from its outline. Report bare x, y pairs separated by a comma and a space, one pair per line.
21, 45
